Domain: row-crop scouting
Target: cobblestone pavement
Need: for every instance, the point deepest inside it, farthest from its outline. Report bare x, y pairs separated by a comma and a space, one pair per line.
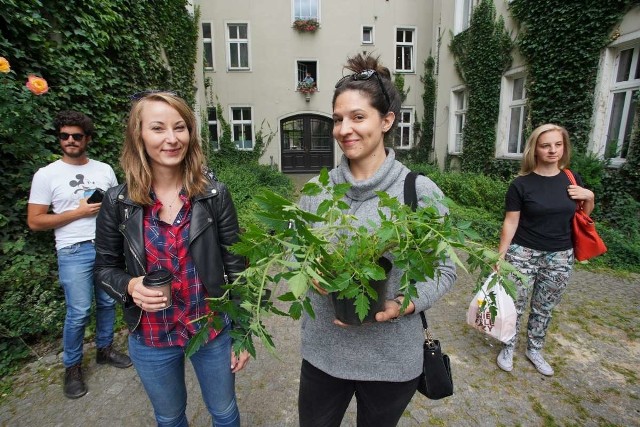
593, 345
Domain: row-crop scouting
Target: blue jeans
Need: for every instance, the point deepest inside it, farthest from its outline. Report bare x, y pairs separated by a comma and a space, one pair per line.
161, 370
75, 272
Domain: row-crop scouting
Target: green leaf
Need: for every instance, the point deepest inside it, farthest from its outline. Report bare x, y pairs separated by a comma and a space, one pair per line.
298, 284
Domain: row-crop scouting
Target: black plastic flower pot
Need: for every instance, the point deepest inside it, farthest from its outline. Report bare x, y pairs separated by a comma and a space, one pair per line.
345, 309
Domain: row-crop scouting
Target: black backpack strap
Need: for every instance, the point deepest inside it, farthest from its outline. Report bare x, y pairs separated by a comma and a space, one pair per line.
411, 199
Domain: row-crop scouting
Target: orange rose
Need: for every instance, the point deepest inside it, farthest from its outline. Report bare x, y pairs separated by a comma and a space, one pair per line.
4, 65
37, 85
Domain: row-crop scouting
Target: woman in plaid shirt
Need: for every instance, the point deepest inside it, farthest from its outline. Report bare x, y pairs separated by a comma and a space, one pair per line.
170, 215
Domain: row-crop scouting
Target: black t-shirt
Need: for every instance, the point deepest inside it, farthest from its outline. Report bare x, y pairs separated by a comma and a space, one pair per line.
545, 211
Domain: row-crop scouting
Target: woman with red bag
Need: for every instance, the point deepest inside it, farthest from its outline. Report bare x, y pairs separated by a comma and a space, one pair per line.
536, 235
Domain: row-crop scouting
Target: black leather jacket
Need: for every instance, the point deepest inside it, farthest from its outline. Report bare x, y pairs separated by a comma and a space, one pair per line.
120, 253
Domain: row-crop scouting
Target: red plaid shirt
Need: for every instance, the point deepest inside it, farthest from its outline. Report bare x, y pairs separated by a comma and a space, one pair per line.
166, 247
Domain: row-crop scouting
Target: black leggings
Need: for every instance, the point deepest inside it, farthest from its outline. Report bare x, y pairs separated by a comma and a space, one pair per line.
323, 399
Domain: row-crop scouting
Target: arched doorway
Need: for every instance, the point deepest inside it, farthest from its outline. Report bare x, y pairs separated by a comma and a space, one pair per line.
306, 143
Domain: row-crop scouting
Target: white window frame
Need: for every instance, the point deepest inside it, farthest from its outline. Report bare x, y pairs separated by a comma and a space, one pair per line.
371, 30
242, 122
411, 45
211, 123
506, 105
462, 14
207, 45
404, 127
607, 88
239, 41
456, 144
295, 15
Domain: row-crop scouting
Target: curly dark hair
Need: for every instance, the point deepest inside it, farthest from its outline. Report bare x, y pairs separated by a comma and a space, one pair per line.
372, 86
74, 118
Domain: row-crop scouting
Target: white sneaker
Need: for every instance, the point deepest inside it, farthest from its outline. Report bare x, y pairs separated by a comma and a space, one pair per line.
538, 361
505, 358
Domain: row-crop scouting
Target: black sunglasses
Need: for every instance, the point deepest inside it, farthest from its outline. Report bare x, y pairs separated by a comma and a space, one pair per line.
76, 136
139, 95
366, 75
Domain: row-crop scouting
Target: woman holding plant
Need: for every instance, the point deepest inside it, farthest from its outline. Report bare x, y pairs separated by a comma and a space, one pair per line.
379, 362
536, 235
171, 215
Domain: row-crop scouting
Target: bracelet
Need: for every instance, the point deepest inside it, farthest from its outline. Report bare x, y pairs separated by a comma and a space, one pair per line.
397, 301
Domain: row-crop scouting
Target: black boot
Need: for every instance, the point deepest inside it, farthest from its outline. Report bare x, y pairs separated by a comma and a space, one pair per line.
74, 386
113, 357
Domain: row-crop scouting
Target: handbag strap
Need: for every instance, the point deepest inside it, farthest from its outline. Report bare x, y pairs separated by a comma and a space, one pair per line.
572, 179
411, 199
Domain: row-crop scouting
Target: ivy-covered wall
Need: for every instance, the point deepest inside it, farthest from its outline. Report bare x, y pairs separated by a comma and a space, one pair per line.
482, 54
562, 51
94, 54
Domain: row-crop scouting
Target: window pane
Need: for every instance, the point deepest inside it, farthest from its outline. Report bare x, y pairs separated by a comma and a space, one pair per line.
247, 133
233, 49
233, 32
211, 114
243, 31
208, 55
624, 65
615, 122
244, 55
626, 140
514, 131
206, 30
407, 58
518, 89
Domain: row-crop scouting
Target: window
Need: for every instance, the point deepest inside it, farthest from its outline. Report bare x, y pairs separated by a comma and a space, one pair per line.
242, 127
404, 132
304, 67
463, 12
207, 45
404, 49
212, 123
459, 103
623, 103
238, 46
517, 116
306, 9
367, 35
512, 120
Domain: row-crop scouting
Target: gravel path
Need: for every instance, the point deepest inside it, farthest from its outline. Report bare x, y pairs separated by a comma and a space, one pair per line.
593, 345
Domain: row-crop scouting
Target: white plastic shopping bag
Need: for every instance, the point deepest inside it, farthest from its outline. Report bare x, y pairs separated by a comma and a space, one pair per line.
503, 327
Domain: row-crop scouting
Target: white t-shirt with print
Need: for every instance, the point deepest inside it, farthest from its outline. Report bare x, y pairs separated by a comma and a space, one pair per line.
62, 185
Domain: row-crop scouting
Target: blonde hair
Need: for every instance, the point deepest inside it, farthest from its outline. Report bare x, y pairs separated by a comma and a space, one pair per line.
529, 156
135, 160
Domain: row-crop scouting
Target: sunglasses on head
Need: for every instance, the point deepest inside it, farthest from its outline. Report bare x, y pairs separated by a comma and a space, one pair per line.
76, 136
366, 75
139, 95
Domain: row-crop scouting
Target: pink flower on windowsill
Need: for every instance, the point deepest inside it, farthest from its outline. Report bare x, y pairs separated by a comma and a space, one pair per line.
306, 25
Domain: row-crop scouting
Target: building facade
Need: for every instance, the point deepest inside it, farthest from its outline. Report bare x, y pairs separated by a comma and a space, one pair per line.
255, 56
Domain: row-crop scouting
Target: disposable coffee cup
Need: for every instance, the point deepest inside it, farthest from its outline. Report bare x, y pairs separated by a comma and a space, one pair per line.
160, 280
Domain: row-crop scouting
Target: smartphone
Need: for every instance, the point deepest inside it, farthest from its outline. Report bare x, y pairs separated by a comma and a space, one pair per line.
97, 196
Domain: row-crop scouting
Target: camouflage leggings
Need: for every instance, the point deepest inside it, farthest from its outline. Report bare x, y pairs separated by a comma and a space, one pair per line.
548, 274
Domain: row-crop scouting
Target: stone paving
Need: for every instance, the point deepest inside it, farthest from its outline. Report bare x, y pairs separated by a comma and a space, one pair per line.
593, 346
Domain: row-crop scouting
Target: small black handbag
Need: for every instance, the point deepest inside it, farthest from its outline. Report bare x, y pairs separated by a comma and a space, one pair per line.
435, 381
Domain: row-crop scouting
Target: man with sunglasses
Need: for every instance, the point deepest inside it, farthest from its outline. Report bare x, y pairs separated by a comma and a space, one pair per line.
58, 201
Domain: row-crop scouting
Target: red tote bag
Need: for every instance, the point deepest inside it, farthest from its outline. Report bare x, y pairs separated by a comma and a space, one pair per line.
586, 241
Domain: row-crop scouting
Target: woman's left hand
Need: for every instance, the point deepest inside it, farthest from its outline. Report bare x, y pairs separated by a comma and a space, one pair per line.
579, 193
392, 310
239, 362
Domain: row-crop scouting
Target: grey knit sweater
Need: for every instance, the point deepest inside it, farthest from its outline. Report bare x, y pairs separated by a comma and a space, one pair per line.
385, 351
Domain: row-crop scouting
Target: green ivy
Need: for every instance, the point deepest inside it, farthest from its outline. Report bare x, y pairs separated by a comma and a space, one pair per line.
562, 51
424, 148
482, 54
